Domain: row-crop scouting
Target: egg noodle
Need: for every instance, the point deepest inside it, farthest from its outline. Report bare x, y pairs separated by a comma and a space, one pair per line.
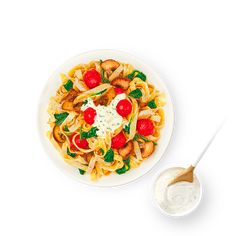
67, 123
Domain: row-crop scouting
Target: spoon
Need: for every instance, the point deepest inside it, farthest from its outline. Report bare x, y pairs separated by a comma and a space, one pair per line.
187, 174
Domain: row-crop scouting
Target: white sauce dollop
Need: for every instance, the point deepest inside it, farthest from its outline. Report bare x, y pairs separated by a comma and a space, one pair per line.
178, 198
107, 119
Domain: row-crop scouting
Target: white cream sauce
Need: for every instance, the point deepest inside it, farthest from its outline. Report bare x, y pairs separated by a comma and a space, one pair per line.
107, 119
177, 198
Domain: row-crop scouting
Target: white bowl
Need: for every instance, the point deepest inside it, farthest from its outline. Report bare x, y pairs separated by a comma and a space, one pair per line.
113, 179
185, 213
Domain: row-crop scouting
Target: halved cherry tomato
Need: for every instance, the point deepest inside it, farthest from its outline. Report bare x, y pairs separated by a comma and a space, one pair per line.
124, 107
81, 143
119, 90
118, 141
145, 127
89, 115
92, 78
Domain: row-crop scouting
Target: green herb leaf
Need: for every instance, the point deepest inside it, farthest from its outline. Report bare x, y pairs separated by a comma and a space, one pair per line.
85, 102
60, 117
71, 153
109, 156
104, 80
68, 85
152, 104
102, 151
136, 93
91, 133
99, 93
81, 171
138, 74
127, 127
121, 170
66, 128
139, 136
125, 167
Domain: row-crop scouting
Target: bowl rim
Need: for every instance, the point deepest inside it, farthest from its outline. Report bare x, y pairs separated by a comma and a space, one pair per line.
155, 203
128, 55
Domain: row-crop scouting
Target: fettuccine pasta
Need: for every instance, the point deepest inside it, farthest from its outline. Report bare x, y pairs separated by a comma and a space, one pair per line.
105, 118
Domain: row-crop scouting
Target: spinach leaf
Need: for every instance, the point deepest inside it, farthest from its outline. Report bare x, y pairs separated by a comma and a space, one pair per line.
152, 104
99, 93
125, 167
60, 117
102, 151
136, 93
81, 171
85, 102
71, 153
104, 80
68, 85
127, 127
139, 136
127, 163
121, 170
91, 133
66, 128
109, 156
138, 74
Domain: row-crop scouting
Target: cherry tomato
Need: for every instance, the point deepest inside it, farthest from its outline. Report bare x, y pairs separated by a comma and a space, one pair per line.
81, 143
124, 107
119, 90
118, 141
145, 127
89, 115
92, 78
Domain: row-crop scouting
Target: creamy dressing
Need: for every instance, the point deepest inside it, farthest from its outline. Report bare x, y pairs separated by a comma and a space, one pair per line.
107, 119
178, 198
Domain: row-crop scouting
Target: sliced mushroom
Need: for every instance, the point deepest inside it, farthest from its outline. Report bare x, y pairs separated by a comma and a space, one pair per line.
106, 98
110, 65
70, 96
68, 106
58, 136
77, 107
148, 149
121, 82
126, 150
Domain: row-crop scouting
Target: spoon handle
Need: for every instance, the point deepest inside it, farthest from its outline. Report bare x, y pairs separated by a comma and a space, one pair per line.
208, 145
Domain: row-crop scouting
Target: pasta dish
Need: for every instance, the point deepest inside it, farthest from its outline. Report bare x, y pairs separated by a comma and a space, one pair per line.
105, 118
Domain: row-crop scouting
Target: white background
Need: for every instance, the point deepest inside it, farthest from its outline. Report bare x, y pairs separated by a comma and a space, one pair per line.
192, 44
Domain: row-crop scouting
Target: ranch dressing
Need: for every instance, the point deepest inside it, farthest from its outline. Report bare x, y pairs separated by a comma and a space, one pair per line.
107, 119
178, 198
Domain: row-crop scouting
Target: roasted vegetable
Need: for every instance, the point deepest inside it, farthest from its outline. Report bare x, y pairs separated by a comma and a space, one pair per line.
58, 136
126, 150
110, 65
68, 106
121, 82
148, 149
70, 96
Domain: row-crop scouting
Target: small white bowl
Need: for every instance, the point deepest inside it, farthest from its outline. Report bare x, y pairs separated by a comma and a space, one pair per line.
156, 204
